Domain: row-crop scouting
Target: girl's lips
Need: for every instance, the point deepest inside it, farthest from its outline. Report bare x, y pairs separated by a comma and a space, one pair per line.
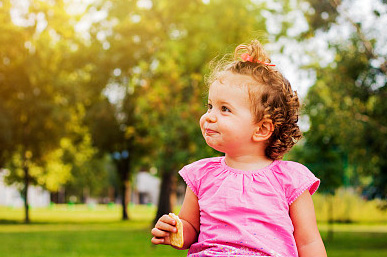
210, 131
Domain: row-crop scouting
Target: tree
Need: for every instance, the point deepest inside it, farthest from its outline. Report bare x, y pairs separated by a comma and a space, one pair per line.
28, 96
345, 105
186, 38
339, 49
347, 135
111, 116
38, 72
111, 137
89, 175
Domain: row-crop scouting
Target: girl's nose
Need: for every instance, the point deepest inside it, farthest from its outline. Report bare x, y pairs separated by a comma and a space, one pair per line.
210, 117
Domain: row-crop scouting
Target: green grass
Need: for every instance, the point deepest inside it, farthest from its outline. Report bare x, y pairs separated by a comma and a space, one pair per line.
96, 231
79, 231
357, 244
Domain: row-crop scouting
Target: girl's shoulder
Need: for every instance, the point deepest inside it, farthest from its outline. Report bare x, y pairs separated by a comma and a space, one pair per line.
194, 173
204, 164
294, 178
290, 168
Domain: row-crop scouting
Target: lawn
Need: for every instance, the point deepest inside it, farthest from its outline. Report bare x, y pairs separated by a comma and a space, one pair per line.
96, 231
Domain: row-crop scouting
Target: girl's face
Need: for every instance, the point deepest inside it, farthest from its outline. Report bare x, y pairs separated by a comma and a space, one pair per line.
228, 125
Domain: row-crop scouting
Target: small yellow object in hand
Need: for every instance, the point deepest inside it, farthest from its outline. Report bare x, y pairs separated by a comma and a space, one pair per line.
177, 239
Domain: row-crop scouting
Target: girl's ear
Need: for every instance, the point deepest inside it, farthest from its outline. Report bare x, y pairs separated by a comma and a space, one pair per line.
263, 131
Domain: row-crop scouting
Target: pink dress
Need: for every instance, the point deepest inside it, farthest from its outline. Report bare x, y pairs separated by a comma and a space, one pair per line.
246, 213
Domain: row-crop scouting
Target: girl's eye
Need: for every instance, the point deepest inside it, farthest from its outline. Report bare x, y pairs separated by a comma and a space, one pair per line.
209, 106
225, 109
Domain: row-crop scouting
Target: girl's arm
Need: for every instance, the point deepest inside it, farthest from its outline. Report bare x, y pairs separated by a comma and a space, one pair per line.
190, 217
306, 234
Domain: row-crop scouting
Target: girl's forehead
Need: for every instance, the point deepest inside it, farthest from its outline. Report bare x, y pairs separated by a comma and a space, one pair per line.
234, 79
228, 90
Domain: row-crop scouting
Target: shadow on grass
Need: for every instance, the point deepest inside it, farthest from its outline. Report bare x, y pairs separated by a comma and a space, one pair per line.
138, 223
356, 244
10, 222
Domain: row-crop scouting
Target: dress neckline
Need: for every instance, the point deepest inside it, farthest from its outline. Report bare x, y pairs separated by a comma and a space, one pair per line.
247, 172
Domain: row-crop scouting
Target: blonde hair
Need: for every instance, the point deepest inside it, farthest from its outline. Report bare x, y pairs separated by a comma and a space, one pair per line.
271, 96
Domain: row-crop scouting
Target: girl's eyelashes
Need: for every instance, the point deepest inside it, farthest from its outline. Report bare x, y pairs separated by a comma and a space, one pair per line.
225, 109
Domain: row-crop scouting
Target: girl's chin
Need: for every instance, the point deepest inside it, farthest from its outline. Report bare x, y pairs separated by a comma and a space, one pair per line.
215, 146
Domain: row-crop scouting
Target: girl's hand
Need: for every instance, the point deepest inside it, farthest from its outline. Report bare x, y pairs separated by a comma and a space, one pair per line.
161, 231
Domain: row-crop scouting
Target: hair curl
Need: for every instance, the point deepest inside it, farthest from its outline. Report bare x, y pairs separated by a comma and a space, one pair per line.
271, 96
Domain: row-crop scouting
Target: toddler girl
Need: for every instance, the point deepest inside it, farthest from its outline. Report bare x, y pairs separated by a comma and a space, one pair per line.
248, 202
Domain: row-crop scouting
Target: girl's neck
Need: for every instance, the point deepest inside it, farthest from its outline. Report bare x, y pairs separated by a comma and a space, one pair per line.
247, 162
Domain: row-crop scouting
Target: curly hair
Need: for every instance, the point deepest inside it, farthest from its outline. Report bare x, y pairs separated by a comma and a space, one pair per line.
272, 96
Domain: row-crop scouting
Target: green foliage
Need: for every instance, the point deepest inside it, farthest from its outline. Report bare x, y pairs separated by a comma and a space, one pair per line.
32, 101
162, 52
320, 15
42, 78
83, 83
88, 171
347, 135
349, 208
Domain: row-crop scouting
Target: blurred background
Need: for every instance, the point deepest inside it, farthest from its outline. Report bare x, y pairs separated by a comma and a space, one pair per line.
100, 102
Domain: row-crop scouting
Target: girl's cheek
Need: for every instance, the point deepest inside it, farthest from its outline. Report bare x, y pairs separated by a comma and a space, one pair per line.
202, 120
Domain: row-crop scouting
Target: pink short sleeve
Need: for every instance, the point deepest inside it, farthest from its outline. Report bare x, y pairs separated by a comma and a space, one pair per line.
189, 177
296, 178
195, 172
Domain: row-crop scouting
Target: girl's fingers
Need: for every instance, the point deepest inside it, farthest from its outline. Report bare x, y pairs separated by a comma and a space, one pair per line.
159, 233
160, 240
161, 230
170, 227
157, 241
167, 219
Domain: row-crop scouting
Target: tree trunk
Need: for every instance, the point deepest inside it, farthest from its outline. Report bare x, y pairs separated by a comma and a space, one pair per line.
85, 195
165, 206
330, 218
173, 195
111, 194
54, 197
25, 193
62, 195
125, 215
123, 167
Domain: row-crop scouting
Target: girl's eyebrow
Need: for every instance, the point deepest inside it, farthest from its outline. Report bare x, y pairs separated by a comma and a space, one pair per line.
224, 102
221, 102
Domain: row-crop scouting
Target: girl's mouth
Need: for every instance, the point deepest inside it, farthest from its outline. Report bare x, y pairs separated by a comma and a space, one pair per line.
210, 131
